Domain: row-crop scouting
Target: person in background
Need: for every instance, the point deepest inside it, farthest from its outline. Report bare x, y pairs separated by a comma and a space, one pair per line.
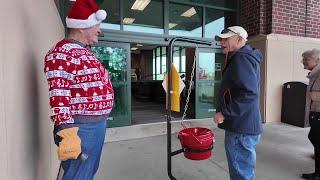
311, 61
80, 91
238, 109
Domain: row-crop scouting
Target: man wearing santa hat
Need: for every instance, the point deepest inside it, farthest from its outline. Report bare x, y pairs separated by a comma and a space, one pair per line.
80, 91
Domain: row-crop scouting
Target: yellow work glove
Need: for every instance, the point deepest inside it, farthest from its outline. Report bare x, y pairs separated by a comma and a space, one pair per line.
70, 145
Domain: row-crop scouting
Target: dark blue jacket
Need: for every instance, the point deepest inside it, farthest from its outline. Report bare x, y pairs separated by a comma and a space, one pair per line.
240, 92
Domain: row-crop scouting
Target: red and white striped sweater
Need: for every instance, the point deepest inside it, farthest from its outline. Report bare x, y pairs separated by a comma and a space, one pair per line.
78, 83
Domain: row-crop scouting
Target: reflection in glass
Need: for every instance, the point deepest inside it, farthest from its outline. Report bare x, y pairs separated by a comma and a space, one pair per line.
217, 20
145, 17
206, 66
208, 82
120, 108
232, 4
115, 61
113, 14
185, 20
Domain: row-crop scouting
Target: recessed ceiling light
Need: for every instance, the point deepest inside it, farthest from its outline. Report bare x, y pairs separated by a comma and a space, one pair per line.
172, 25
134, 48
190, 12
139, 45
128, 20
140, 4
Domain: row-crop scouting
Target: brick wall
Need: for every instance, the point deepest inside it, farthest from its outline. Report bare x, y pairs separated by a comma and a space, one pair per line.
256, 16
249, 11
288, 17
313, 18
266, 17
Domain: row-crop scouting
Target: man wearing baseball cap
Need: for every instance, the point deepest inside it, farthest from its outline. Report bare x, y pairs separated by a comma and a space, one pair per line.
80, 91
238, 111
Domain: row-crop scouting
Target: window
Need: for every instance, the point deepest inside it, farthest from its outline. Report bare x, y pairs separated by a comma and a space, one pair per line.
176, 57
113, 14
144, 17
182, 61
185, 17
163, 59
160, 64
154, 66
185, 20
232, 4
217, 20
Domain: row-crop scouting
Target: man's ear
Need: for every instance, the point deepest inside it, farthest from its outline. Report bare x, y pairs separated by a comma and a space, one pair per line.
241, 40
238, 40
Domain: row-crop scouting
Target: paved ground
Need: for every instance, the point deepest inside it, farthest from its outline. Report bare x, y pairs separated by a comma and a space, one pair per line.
283, 154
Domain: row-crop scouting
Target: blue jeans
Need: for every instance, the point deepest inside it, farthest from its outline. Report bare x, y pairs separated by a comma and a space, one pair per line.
92, 140
241, 155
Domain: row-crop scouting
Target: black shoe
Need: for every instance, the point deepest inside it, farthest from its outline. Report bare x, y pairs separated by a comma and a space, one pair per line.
311, 176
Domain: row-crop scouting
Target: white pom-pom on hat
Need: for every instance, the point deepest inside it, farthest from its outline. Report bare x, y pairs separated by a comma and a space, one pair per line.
101, 15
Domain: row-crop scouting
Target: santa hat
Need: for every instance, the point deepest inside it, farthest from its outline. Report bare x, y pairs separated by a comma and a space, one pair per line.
84, 14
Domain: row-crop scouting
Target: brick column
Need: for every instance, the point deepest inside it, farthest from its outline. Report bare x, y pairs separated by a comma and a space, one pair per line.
287, 17
249, 11
313, 18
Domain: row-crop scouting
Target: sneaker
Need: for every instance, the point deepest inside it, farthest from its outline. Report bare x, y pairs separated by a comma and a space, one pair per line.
311, 176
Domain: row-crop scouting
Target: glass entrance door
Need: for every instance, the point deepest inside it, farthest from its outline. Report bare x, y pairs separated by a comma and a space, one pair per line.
208, 79
116, 58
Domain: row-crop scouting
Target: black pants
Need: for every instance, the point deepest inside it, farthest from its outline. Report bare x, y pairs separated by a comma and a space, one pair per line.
314, 137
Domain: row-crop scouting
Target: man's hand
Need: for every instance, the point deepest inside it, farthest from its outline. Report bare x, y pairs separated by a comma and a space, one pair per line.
70, 145
218, 118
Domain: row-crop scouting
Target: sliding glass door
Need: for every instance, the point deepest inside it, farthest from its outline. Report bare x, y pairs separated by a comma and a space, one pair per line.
208, 78
116, 58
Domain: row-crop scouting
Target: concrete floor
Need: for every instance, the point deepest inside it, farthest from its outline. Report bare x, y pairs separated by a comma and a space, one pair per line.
150, 112
283, 154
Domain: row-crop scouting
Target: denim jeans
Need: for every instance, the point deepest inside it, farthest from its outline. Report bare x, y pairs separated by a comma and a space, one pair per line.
92, 139
241, 155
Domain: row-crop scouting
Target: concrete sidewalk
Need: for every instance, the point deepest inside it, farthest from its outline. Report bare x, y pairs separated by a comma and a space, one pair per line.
283, 154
